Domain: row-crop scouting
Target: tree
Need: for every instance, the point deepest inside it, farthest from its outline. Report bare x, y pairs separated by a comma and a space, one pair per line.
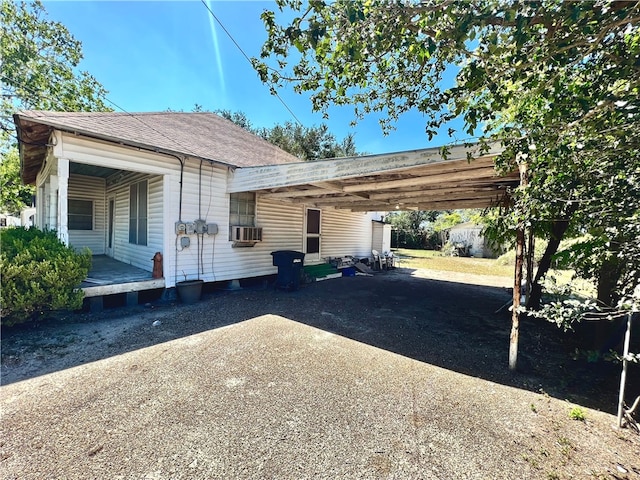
556, 82
306, 143
309, 143
38, 71
414, 226
239, 118
14, 196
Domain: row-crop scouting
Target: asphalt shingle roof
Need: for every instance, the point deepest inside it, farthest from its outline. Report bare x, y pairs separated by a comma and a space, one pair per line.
202, 135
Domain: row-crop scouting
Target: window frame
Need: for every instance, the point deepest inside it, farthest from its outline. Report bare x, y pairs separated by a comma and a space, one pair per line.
139, 213
242, 210
72, 216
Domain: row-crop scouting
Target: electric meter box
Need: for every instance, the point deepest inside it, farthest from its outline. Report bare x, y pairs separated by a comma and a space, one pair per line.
181, 228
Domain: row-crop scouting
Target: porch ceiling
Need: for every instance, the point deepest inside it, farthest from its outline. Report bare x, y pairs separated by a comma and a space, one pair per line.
414, 180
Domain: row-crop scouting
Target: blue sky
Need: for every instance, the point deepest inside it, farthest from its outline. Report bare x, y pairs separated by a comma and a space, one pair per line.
152, 56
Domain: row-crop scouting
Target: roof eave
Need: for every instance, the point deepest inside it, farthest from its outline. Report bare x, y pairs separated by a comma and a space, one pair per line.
27, 175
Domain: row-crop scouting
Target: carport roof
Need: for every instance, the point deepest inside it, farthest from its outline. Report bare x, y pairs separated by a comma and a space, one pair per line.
411, 180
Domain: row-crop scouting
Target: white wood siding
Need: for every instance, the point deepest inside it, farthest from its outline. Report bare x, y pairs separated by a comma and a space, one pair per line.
89, 188
137, 255
137, 165
204, 195
381, 240
345, 233
210, 207
282, 230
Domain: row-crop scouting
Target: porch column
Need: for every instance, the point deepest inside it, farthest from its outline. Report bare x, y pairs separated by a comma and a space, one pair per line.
63, 188
40, 208
171, 213
51, 222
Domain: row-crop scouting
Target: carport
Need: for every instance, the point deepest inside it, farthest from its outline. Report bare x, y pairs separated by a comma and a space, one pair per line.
427, 179
439, 178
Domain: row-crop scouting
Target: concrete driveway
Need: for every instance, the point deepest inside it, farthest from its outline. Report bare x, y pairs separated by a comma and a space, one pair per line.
270, 397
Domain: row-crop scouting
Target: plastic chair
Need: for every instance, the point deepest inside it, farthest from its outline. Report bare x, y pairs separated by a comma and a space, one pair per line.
390, 260
379, 261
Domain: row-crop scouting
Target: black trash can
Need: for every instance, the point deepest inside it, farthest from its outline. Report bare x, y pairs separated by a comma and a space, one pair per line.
289, 263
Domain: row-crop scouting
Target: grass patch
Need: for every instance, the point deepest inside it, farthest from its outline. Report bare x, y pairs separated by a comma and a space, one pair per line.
432, 260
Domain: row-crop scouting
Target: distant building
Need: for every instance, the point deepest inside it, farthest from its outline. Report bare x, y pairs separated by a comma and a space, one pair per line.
467, 237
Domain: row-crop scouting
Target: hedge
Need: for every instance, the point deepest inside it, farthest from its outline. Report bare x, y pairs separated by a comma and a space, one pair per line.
39, 274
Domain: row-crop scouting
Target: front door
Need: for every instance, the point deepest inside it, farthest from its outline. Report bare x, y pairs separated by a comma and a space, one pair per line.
111, 223
312, 238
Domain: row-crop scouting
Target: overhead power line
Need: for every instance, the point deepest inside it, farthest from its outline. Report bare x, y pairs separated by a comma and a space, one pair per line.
249, 59
64, 108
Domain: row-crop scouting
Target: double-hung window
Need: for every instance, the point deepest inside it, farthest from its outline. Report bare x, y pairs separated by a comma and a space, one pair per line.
242, 209
79, 214
138, 211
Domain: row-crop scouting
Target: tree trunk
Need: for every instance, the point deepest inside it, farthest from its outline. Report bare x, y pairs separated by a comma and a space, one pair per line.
529, 259
608, 277
558, 229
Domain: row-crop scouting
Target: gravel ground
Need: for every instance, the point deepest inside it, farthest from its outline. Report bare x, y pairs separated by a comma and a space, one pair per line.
401, 375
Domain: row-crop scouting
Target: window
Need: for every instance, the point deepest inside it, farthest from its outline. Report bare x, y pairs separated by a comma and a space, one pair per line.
138, 213
312, 247
242, 209
80, 214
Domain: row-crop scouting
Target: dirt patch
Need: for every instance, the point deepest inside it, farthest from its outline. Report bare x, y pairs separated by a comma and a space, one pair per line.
438, 319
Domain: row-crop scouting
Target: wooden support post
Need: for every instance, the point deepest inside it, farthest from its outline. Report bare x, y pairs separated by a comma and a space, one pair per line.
517, 279
515, 311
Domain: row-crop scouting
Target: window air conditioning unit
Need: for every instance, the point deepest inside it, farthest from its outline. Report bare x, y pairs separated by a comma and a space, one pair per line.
246, 234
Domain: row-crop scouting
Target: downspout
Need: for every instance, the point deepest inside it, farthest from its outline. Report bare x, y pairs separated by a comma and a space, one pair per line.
181, 160
198, 235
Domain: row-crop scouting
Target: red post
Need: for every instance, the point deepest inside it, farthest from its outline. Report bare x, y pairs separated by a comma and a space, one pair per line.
157, 266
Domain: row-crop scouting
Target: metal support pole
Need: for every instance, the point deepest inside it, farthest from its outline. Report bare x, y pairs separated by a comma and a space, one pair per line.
625, 364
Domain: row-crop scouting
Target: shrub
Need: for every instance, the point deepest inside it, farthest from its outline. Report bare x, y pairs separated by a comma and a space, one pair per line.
39, 274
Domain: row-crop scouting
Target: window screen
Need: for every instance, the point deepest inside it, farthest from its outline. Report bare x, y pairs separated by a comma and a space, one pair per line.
80, 214
138, 213
242, 210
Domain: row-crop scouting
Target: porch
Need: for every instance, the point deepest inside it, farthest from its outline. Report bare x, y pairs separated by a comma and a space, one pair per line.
109, 277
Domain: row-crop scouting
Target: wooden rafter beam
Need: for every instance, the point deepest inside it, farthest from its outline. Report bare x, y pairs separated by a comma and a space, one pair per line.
334, 187
295, 193
328, 186
443, 205
444, 192
333, 201
425, 197
484, 173
464, 203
